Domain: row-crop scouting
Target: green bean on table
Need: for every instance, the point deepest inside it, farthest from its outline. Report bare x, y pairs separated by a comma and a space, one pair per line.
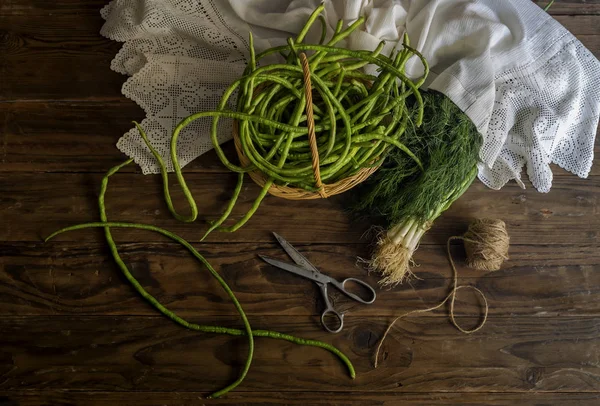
247, 331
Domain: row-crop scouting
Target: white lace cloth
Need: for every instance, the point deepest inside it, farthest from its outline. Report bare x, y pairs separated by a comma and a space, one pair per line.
529, 85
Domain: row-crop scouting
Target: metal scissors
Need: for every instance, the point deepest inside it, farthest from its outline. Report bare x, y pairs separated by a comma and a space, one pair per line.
306, 269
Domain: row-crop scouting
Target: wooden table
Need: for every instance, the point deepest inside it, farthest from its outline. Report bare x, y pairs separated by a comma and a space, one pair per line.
72, 331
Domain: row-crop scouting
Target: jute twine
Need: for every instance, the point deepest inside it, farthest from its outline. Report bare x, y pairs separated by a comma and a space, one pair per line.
486, 245
323, 190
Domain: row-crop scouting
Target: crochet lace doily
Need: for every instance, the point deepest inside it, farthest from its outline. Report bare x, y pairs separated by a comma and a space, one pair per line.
547, 117
182, 54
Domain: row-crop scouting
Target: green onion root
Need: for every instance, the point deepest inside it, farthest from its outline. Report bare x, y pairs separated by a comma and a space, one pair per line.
395, 248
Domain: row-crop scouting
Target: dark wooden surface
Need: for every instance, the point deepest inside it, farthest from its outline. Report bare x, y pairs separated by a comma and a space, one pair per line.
73, 332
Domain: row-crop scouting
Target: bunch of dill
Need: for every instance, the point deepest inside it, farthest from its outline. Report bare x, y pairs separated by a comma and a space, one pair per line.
410, 199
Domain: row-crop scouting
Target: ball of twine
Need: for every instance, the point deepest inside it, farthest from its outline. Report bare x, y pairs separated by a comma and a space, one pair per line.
486, 244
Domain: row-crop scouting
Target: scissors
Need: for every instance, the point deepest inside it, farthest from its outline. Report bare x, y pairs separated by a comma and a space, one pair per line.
304, 268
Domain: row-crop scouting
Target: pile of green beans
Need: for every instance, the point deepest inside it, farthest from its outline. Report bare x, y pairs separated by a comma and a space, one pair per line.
357, 116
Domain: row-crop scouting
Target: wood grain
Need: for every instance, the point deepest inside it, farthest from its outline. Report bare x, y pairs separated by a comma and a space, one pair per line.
74, 137
80, 279
150, 354
241, 398
13, 8
33, 205
54, 51
572, 7
73, 332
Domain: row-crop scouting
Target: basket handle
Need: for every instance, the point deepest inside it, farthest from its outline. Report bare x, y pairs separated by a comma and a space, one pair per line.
310, 123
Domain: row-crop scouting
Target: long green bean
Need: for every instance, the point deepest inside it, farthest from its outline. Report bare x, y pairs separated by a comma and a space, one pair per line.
247, 331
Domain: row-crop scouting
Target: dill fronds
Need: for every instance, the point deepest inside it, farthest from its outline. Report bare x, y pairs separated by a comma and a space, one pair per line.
410, 199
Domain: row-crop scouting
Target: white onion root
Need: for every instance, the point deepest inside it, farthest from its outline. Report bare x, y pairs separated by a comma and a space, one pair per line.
393, 256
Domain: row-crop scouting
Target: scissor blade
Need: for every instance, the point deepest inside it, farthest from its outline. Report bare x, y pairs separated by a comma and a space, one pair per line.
294, 254
295, 269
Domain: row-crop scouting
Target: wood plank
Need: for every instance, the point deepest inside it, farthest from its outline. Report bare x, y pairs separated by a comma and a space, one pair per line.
56, 52
572, 7
591, 42
580, 26
41, 7
34, 205
81, 137
151, 354
80, 279
59, 74
74, 137
65, 58
63, 305
13, 8
241, 398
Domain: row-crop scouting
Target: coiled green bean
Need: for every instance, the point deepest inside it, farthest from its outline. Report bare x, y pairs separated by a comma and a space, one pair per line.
358, 117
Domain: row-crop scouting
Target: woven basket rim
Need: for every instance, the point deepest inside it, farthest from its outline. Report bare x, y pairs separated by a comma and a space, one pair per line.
294, 193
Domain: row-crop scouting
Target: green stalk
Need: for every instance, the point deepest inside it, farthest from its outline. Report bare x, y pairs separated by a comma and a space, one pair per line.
394, 253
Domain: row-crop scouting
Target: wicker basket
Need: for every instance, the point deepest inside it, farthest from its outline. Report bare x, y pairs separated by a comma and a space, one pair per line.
292, 193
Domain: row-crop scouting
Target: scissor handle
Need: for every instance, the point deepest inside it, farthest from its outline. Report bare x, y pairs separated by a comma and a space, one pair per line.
338, 316
342, 287
329, 310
